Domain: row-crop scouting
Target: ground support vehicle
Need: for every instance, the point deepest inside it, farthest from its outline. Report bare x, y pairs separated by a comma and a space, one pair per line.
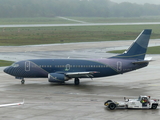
143, 102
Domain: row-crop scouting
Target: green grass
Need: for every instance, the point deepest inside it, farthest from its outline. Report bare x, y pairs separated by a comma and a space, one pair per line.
5, 63
51, 35
56, 20
151, 50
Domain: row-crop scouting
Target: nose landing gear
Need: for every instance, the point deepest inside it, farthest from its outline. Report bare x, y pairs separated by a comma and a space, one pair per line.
22, 81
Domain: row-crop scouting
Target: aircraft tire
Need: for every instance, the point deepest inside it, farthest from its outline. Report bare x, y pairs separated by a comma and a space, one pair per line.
76, 81
22, 81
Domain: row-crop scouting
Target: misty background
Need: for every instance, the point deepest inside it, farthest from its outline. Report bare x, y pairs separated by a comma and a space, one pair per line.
76, 8
138, 1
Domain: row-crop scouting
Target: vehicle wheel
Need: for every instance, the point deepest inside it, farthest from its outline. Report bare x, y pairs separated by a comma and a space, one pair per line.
112, 106
106, 103
154, 106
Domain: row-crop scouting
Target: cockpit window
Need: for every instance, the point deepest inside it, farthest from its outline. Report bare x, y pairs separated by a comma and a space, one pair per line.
15, 65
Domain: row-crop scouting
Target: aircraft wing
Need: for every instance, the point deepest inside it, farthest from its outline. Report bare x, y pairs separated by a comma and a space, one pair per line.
12, 104
88, 74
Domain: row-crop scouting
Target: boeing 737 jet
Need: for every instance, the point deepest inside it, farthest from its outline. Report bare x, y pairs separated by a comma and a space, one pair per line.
61, 70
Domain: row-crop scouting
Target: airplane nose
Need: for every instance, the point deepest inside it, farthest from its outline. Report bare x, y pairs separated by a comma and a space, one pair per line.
6, 70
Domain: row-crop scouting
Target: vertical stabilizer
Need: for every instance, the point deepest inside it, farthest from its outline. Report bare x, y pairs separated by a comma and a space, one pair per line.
138, 48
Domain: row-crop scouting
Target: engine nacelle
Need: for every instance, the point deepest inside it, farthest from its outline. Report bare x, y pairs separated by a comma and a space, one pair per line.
56, 77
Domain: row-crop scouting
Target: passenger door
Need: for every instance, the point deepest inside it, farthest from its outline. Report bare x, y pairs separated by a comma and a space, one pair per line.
27, 66
119, 66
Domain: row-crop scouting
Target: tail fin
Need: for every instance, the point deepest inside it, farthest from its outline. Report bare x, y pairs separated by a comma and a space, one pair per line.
138, 48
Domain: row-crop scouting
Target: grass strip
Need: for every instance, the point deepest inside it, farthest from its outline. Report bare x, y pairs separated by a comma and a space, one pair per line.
5, 63
51, 35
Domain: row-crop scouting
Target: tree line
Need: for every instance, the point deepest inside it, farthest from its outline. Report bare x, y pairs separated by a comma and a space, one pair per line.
75, 8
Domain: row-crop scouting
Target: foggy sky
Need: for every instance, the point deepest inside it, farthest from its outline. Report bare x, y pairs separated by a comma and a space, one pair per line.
138, 1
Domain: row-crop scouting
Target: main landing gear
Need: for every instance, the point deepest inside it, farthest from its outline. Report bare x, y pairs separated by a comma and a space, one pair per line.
76, 81
22, 81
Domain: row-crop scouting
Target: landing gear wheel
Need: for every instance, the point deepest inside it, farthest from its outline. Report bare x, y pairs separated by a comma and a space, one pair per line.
22, 81
76, 81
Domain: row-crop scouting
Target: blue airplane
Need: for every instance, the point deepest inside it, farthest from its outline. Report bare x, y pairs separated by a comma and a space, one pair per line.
61, 70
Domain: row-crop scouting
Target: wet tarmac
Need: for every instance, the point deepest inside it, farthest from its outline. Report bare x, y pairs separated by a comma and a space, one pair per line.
44, 100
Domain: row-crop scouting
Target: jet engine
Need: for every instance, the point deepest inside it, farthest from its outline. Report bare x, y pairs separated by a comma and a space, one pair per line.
56, 77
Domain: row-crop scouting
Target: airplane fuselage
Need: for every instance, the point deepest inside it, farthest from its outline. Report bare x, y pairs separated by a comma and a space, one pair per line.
40, 68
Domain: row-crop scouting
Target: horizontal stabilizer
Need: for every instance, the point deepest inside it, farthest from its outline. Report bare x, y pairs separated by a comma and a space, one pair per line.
146, 60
